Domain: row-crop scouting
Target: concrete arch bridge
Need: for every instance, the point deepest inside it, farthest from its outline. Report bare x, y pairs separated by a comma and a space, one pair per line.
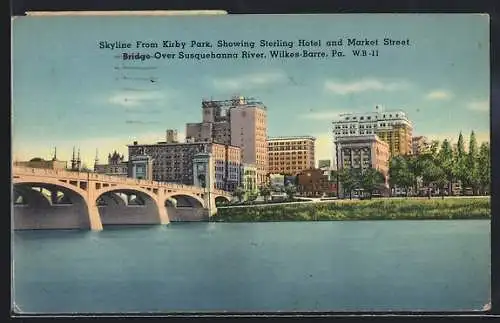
60, 199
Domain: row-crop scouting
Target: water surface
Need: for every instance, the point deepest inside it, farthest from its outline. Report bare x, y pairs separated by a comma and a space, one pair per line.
289, 266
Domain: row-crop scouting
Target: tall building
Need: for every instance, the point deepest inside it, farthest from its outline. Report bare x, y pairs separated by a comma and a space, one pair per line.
116, 166
393, 127
420, 145
290, 155
362, 152
239, 122
173, 162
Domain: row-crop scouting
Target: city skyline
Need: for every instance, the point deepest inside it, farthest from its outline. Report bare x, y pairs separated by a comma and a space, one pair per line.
67, 92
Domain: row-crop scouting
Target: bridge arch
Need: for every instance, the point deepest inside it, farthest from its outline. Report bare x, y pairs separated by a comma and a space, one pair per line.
30, 196
40, 213
185, 200
118, 212
139, 191
184, 207
111, 199
221, 199
49, 183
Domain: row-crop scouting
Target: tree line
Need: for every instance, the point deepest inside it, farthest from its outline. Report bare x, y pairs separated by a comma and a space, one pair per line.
369, 180
439, 166
444, 164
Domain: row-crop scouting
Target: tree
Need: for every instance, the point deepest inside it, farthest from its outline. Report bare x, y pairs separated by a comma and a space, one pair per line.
484, 167
414, 164
445, 161
434, 148
265, 192
252, 196
400, 173
460, 171
239, 193
472, 164
290, 191
349, 180
371, 179
460, 146
433, 174
441, 181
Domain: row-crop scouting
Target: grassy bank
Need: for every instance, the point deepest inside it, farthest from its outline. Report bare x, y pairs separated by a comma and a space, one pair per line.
378, 209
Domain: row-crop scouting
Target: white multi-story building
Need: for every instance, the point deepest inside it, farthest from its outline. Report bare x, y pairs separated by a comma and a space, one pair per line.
392, 127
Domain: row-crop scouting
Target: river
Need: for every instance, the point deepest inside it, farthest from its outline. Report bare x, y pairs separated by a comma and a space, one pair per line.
290, 266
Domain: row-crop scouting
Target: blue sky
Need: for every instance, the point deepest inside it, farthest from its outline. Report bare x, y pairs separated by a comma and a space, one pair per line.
66, 91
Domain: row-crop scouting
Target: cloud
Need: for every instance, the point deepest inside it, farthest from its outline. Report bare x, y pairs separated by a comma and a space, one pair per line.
439, 95
134, 99
481, 106
366, 84
247, 81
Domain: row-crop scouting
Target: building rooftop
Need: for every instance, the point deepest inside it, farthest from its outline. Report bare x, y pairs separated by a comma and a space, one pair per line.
372, 115
290, 138
237, 101
187, 143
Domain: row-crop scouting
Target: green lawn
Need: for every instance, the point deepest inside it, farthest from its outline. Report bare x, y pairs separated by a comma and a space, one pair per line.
376, 209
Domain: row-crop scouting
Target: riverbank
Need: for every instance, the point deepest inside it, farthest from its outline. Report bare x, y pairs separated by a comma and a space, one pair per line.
376, 209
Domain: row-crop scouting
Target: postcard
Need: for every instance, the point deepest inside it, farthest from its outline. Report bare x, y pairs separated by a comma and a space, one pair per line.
250, 163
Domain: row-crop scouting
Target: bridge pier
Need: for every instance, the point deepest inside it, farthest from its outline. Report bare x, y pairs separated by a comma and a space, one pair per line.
94, 217
162, 212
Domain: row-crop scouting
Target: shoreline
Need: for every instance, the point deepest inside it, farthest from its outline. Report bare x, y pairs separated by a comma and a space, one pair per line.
350, 220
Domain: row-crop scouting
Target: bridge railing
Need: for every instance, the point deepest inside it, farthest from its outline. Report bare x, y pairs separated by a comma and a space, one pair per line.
59, 173
20, 170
